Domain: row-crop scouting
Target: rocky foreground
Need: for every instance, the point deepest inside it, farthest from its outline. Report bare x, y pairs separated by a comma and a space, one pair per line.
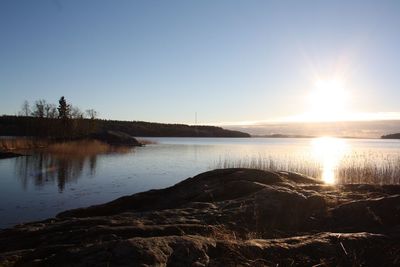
230, 217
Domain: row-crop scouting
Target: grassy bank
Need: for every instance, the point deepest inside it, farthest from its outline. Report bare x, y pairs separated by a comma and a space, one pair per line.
80, 147
85, 147
22, 144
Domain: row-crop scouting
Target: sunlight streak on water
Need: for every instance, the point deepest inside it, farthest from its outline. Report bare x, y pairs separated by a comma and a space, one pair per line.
329, 151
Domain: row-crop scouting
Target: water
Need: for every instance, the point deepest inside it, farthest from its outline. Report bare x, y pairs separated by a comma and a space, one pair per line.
42, 185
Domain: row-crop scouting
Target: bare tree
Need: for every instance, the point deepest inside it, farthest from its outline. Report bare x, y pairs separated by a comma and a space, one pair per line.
25, 109
39, 108
76, 113
91, 113
50, 111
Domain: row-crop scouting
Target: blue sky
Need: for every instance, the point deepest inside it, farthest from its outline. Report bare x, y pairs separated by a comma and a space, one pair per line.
229, 61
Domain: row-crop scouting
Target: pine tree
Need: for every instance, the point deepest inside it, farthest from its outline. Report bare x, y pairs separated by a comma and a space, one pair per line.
63, 109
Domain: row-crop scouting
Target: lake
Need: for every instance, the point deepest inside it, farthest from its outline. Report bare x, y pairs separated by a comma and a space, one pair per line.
41, 185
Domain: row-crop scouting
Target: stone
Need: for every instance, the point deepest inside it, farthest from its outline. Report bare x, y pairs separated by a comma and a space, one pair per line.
116, 138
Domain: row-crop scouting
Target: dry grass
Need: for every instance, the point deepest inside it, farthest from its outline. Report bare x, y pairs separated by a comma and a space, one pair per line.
22, 144
82, 147
85, 147
352, 169
270, 163
374, 169
220, 232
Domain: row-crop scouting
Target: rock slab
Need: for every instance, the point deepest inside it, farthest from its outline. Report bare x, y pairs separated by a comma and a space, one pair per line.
228, 217
116, 138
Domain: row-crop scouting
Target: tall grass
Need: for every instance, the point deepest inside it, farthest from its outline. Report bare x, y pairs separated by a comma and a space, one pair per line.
367, 168
82, 147
271, 163
22, 144
85, 147
355, 168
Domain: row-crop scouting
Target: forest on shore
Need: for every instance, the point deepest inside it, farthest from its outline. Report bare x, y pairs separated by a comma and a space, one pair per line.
68, 122
75, 128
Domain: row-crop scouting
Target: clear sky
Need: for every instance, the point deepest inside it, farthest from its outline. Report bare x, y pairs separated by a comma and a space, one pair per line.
229, 61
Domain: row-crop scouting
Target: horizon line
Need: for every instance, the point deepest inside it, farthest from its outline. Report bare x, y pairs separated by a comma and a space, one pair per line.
301, 118
306, 118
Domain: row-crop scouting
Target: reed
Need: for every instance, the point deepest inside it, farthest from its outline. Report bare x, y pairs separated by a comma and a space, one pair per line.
80, 147
371, 169
22, 144
355, 168
85, 147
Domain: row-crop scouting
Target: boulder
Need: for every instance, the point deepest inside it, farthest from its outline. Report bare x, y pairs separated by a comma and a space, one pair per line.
116, 138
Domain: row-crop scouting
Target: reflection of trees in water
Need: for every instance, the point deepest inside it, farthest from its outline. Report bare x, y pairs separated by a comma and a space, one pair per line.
46, 168
92, 164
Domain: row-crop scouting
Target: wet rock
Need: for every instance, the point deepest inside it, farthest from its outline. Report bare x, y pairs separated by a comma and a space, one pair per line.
116, 138
224, 217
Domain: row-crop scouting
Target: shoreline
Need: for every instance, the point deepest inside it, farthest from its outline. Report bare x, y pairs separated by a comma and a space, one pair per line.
109, 138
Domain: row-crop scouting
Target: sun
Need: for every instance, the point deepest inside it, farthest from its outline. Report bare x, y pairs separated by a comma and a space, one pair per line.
327, 101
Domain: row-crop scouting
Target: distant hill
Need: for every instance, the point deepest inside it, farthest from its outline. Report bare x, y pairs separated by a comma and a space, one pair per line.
31, 126
141, 128
361, 129
391, 136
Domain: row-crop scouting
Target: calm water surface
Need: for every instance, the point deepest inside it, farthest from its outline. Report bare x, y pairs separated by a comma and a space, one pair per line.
41, 185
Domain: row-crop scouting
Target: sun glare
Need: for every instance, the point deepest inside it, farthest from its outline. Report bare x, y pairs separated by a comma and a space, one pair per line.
329, 151
328, 100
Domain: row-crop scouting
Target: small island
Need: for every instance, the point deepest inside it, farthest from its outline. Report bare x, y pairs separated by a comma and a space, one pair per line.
391, 136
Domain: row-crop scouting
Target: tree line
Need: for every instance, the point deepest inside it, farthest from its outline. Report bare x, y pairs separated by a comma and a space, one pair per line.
42, 109
43, 119
65, 121
76, 128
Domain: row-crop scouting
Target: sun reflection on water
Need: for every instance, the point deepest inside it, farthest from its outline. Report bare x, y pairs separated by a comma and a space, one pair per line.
329, 151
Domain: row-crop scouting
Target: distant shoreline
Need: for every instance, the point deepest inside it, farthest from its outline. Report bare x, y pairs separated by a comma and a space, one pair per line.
55, 128
308, 136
